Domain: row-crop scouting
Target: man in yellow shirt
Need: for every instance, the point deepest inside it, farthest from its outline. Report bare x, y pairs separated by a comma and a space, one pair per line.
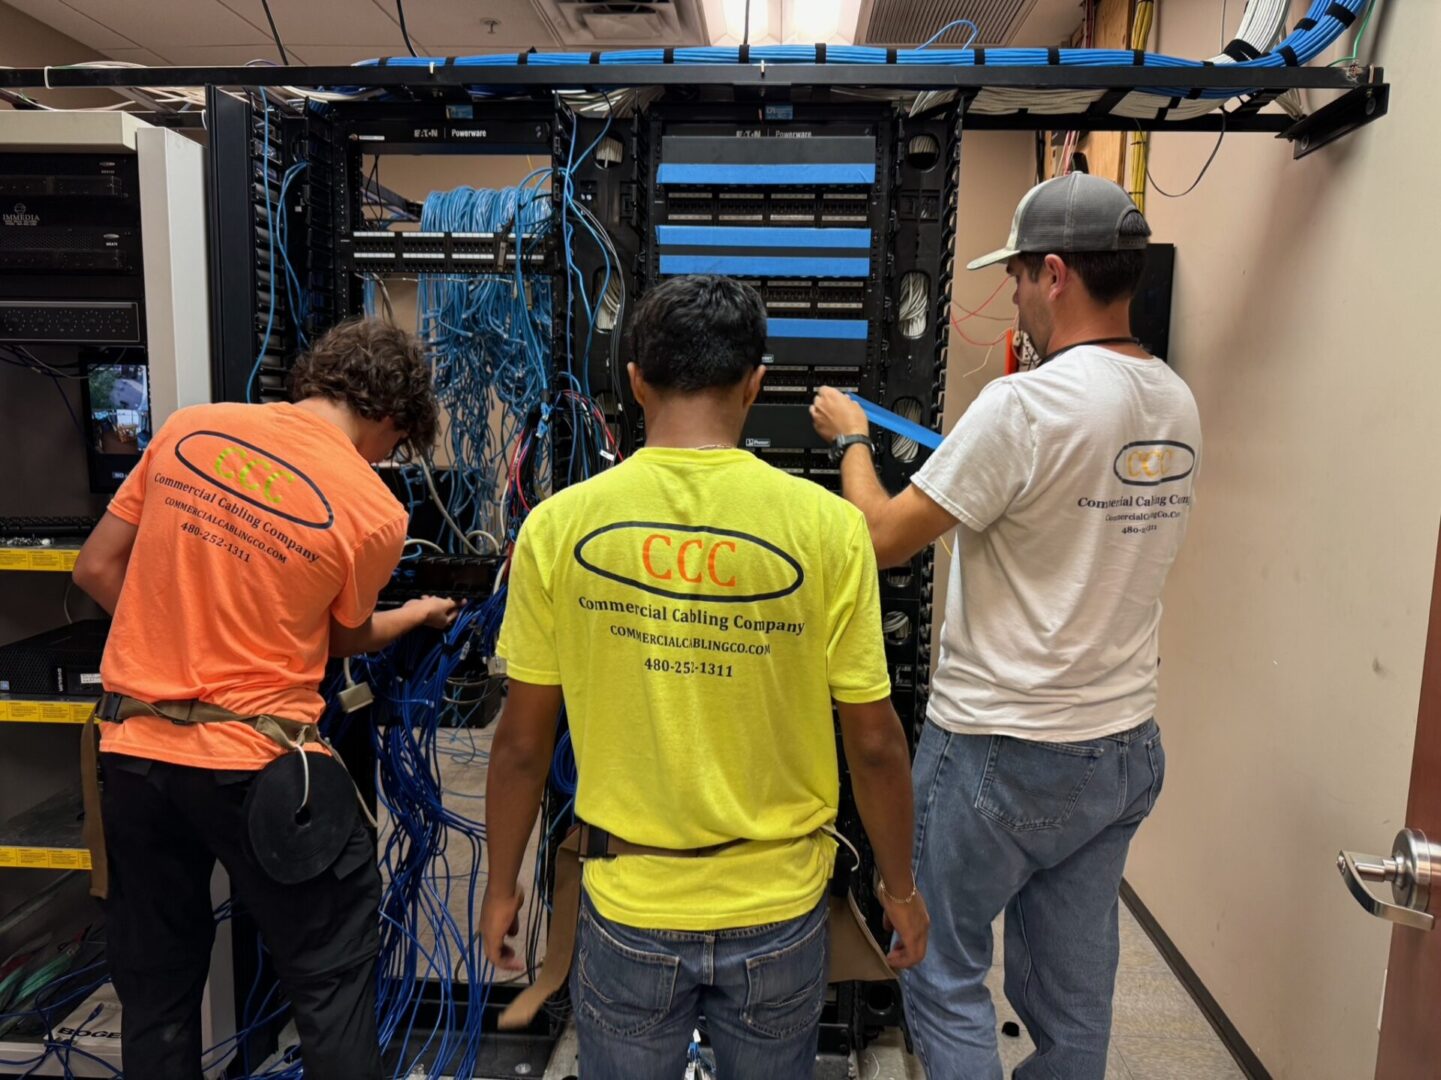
698, 611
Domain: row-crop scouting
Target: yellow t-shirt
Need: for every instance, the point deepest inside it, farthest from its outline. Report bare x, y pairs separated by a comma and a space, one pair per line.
701, 609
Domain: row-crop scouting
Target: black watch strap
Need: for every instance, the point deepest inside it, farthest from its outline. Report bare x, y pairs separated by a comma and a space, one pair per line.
842, 443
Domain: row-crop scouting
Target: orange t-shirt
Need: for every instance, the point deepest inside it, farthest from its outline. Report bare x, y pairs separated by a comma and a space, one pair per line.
257, 524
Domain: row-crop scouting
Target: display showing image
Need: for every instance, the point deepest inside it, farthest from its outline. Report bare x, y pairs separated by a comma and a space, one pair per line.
120, 408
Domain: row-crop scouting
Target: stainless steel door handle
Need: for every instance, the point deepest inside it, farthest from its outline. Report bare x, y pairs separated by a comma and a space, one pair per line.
1413, 864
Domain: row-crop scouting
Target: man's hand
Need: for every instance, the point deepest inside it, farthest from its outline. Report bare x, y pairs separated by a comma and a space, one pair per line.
500, 919
435, 612
912, 923
383, 627
835, 415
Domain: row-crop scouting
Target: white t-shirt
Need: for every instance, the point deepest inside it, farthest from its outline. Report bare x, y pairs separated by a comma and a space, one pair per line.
1073, 485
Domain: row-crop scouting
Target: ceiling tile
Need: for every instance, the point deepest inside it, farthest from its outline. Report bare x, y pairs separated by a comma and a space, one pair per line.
163, 26
441, 25
139, 56
332, 55
325, 22
74, 23
223, 55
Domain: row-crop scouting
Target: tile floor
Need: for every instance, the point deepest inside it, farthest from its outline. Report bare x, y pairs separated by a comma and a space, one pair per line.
1158, 1033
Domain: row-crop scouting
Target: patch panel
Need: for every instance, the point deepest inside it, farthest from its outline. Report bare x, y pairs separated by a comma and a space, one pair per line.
374, 251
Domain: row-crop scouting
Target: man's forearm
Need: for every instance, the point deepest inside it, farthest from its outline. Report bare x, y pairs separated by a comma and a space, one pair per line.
883, 797
376, 633
860, 485
387, 626
513, 789
104, 587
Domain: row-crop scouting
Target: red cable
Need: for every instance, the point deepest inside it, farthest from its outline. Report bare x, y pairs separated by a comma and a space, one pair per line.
977, 313
979, 344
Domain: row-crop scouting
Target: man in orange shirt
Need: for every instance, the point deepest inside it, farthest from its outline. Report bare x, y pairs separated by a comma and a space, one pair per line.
247, 547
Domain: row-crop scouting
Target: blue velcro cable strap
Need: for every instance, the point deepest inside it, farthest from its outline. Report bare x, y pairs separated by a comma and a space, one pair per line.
897, 424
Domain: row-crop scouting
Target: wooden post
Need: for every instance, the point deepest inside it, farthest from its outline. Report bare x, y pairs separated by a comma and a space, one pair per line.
1105, 150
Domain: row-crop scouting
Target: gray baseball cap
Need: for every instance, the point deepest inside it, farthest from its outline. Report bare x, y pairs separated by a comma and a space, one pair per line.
1076, 212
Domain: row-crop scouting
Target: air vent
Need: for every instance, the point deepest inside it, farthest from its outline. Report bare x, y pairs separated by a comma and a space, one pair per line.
910, 22
594, 25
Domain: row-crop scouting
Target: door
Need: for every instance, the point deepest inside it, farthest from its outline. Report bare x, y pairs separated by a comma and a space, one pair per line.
1410, 1035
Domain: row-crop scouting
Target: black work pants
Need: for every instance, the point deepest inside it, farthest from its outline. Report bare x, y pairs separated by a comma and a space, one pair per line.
165, 825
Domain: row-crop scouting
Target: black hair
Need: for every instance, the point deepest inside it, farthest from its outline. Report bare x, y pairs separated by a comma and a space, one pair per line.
1107, 275
698, 332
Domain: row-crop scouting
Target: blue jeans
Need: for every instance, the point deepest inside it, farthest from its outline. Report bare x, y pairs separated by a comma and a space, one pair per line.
638, 995
1041, 831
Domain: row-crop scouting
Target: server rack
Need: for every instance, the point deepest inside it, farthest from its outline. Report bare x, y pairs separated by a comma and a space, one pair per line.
852, 200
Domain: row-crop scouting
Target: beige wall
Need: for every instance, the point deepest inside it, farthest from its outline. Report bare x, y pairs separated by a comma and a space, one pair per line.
1296, 616
997, 168
26, 42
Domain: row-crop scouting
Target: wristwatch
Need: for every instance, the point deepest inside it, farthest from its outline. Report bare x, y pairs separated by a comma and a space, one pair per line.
841, 442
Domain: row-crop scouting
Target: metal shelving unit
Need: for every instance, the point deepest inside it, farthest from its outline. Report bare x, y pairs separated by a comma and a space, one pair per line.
46, 837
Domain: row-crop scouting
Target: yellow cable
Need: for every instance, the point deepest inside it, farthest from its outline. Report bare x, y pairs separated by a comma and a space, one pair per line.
1140, 140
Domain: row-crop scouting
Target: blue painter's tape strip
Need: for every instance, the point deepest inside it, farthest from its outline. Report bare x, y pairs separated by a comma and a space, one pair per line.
760, 266
827, 329
897, 424
682, 173
749, 236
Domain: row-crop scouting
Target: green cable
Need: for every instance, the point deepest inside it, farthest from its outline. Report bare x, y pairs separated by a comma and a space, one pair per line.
1360, 33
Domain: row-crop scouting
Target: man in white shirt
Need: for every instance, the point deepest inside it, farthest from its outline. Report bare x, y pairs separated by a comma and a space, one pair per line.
1069, 488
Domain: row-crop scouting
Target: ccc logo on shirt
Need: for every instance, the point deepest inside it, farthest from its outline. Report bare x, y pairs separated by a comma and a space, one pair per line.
257, 476
690, 562
1149, 464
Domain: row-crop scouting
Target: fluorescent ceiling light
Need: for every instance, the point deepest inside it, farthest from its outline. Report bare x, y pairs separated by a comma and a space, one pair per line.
813, 20
783, 22
744, 17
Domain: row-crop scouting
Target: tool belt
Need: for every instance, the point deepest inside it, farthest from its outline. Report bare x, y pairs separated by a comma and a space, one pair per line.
855, 954
312, 828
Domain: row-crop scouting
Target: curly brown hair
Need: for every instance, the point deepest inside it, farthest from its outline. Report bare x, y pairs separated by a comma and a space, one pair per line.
377, 370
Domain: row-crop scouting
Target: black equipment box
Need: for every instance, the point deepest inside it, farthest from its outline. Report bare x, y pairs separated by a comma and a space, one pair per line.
64, 662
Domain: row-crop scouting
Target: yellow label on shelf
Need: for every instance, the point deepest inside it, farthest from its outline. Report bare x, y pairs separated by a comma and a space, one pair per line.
45, 712
38, 558
32, 858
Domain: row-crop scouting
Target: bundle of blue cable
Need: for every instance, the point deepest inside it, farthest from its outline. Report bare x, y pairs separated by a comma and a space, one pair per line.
490, 340
429, 937
424, 946
593, 446
40, 988
1325, 21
